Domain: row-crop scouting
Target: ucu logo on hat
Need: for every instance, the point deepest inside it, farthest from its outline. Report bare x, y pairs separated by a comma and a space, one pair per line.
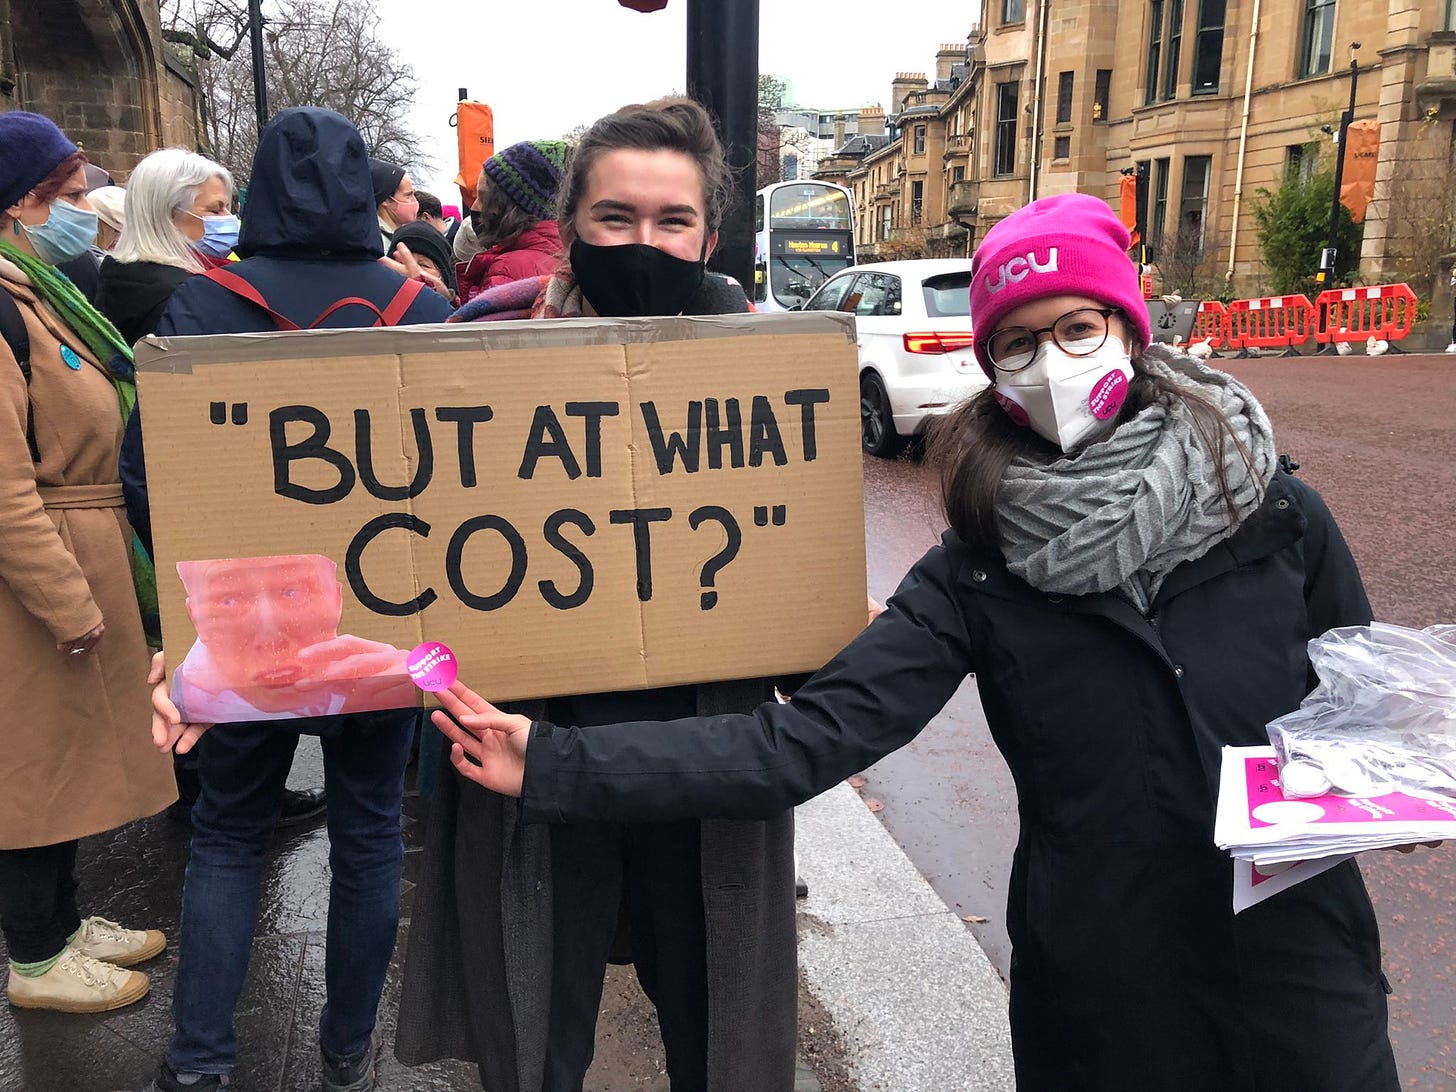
1018, 269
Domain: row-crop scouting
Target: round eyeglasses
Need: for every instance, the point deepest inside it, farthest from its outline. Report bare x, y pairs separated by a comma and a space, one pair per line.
1077, 333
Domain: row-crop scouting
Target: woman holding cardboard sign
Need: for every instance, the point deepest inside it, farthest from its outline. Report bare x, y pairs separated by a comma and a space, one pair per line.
76, 759
709, 906
1133, 580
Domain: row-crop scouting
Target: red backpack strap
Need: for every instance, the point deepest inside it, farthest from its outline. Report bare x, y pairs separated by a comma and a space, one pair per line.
403, 300
349, 301
394, 311
239, 287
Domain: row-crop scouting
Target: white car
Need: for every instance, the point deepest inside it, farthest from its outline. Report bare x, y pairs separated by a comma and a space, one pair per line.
915, 354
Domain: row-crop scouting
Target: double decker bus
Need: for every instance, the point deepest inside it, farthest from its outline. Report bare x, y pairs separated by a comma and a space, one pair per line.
804, 234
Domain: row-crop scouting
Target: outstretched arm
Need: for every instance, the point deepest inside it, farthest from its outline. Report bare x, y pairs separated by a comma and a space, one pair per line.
873, 698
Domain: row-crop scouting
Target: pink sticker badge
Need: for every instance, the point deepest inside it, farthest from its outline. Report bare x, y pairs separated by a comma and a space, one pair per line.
1013, 408
1108, 395
432, 666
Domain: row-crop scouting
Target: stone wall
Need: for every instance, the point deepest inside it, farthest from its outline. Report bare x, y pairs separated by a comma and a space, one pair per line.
96, 67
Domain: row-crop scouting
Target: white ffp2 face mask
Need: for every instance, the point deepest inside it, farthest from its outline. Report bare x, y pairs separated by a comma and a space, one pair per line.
1067, 400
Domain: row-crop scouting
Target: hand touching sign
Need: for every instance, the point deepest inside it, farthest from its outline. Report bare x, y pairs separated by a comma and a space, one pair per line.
486, 745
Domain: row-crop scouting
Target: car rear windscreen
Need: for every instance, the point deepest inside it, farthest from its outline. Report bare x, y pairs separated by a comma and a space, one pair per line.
948, 295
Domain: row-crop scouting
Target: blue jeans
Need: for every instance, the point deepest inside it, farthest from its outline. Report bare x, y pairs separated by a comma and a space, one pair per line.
243, 770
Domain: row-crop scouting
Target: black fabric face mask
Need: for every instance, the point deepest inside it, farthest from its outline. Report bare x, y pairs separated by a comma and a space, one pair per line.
634, 280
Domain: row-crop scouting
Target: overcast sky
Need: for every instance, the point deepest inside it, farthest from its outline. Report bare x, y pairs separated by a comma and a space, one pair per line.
545, 66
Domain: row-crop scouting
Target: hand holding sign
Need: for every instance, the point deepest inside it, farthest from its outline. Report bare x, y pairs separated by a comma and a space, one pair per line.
169, 732
486, 745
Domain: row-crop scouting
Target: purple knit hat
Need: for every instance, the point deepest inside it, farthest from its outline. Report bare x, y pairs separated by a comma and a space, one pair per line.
1071, 244
530, 174
30, 148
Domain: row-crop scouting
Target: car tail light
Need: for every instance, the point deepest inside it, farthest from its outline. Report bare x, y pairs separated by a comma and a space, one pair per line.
952, 341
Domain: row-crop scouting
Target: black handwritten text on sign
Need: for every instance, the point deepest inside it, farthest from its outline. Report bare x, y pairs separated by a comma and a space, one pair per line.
716, 434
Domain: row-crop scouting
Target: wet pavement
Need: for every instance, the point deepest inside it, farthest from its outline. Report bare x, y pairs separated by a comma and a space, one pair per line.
134, 876
1377, 437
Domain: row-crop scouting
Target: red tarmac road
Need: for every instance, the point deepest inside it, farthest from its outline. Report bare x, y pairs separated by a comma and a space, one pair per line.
1377, 437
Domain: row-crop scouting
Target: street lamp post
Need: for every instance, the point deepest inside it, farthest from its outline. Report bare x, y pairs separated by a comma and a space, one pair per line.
723, 76
1326, 274
260, 76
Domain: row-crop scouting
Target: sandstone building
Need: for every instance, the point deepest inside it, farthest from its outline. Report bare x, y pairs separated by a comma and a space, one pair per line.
1209, 102
99, 69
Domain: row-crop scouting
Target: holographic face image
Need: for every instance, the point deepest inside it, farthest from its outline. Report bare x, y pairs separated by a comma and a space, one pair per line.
268, 645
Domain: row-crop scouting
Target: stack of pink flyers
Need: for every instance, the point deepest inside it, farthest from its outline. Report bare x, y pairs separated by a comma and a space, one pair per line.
1277, 841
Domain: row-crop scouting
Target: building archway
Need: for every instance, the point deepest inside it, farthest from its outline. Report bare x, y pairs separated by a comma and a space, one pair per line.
91, 66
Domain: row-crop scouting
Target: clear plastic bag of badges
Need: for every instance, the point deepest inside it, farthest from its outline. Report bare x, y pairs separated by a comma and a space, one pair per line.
1382, 719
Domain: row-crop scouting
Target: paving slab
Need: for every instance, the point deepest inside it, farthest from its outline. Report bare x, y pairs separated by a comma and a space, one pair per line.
911, 993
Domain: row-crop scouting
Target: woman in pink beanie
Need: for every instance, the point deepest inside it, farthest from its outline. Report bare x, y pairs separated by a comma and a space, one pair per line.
1132, 576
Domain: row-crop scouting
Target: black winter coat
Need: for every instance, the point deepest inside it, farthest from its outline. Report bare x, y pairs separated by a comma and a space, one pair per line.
1129, 969
478, 972
133, 295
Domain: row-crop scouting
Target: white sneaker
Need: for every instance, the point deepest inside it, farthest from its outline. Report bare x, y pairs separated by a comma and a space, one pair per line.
78, 983
1451, 348
110, 943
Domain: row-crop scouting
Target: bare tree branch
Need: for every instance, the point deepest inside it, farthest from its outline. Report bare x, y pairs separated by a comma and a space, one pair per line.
317, 53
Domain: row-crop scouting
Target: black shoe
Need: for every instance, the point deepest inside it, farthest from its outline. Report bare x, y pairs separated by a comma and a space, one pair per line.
300, 807
351, 1074
167, 1080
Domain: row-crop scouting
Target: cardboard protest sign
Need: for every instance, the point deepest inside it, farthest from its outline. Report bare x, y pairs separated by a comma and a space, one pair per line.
570, 507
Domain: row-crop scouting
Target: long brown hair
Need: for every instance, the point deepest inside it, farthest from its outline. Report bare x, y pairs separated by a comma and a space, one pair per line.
501, 219
975, 443
671, 124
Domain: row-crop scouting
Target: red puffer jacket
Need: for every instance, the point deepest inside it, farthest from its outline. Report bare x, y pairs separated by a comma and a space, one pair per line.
536, 251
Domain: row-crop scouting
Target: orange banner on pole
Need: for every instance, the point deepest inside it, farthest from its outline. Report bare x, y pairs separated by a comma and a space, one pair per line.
1128, 211
1362, 153
475, 131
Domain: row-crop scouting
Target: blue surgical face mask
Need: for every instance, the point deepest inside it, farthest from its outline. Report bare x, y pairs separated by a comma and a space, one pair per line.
219, 234
67, 233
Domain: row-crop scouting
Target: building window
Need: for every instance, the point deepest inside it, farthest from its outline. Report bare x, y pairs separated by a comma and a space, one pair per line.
1165, 42
1193, 208
887, 221
1062, 147
1007, 106
919, 140
1319, 33
1013, 11
1208, 47
1102, 94
1173, 48
1155, 50
917, 202
1064, 98
1451, 14
957, 174
1159, 215
1301, 161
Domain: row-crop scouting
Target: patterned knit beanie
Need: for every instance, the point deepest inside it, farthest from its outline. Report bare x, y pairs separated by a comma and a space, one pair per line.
529, 173
31, 146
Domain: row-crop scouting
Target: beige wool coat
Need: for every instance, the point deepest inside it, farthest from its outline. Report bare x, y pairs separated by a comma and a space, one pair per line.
76, 755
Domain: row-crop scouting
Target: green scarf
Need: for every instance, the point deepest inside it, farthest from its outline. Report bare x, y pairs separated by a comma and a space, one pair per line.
108, 346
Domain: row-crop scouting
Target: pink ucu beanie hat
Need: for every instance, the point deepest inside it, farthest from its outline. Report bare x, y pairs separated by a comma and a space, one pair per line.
1071, 244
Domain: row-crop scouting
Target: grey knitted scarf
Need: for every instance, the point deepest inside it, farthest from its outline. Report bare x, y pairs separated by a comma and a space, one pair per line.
1128, 509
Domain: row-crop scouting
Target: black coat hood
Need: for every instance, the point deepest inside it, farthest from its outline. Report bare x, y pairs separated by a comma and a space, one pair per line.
310, 195
133, 295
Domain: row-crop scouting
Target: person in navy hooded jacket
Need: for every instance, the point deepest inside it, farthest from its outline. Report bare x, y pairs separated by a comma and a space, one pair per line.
310, 237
